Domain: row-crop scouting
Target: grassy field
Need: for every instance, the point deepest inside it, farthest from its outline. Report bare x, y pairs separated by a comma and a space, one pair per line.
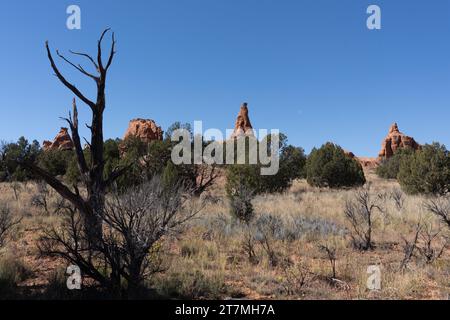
209, 258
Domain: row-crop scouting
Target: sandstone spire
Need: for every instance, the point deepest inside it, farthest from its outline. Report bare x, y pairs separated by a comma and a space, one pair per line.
243, 126
62, 141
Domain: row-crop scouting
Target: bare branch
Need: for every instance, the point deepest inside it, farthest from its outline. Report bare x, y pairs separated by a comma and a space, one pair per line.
99, 51
59, 187
73, 123
111, 55
116, 173
61, 78
79, 67
87, 56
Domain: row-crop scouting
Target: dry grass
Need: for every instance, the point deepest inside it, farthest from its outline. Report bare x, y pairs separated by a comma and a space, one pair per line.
208, 259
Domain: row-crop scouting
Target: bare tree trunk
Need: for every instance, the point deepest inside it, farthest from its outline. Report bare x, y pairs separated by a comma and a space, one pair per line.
92, 206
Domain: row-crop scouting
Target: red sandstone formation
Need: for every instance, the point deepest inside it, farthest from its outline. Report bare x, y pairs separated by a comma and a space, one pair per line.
144, 129
396, 140
364, 161
62, 141
368, 163
243, 127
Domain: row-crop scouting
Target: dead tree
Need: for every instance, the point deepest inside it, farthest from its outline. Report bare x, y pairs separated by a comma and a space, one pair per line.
433, 242
205, 177
360, 214
331, 254
410, 246
135, 223
92, 205
440, 208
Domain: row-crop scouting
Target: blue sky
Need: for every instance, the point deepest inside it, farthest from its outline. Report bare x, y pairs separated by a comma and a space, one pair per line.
309, 68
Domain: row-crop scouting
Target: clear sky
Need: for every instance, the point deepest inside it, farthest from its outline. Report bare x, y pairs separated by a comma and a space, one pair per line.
310, 68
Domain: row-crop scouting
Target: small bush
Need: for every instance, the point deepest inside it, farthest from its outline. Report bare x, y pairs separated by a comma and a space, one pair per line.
300, 226
360, 213
329, 166
190, 283
427, 171
12, 271
241, 203
7, 222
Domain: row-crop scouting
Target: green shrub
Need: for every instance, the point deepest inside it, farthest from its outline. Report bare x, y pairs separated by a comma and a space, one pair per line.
56, 162
389, 168
10, 170
427, 171
292, 162
329, 166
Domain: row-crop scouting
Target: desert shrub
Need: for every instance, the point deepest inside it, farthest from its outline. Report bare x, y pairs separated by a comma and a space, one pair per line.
7, 222
146, 160
433, 242
56, 162
389, 168
360, 213
398, 197
427, 171
41, 199
245, 175
240, 199
297, 278
330, 251
300, 226
189, 249
269, 228
56, 289
16, 188
293, 162
270, 224
12, 272
190, 283
135, 223
291, 166
440, 207
10, 170
429, 241
111, 157
329, 166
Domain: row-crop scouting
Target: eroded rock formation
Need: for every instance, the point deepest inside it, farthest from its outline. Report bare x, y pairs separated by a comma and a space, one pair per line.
144, 129
62, 141
396, 140
365, 162
243, 126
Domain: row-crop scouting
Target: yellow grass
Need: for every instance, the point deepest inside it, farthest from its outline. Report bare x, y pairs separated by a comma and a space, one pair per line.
208, 260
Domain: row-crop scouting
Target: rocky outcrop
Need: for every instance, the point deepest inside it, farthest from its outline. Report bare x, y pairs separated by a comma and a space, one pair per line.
144, 129
62, 141
243, 126
365, 162
396, 140
368, 163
